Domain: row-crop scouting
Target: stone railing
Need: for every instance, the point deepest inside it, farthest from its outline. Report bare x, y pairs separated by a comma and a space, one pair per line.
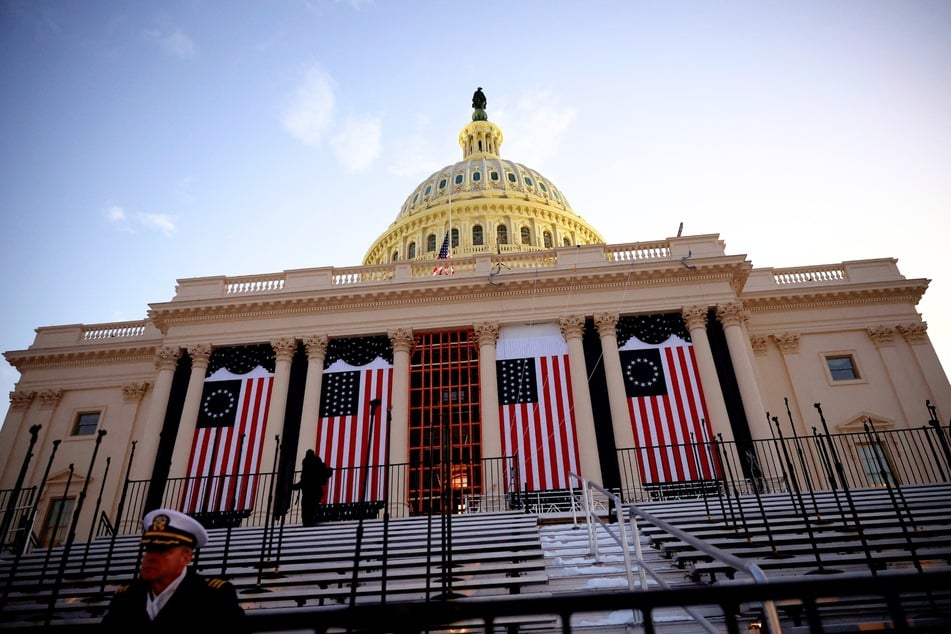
799, 275
509, 257
115, 330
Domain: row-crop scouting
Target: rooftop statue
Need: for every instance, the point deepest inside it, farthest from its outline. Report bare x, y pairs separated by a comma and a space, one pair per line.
478, 99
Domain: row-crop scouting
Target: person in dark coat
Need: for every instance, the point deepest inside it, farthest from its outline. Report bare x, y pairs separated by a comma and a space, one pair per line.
168, 595
314, 474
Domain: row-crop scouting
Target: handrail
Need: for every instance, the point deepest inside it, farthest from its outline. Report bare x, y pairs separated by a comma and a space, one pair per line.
591, 517
759, 577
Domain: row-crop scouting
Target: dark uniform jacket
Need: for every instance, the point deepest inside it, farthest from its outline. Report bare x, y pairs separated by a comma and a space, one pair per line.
196, 600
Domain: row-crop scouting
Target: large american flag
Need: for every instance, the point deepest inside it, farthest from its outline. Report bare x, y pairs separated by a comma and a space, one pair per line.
351, 434
536, 412
443, 267
230, 431
666, 403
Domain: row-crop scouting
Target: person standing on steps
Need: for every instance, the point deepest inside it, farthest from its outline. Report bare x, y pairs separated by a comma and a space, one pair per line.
314, 475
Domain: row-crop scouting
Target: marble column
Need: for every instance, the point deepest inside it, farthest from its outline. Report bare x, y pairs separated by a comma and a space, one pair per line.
398, 436
572, 329
617, 395
316, 347
147, 432
939, 389
718, 420
732, 316
200, 355
15, 435
488, 335
284, 350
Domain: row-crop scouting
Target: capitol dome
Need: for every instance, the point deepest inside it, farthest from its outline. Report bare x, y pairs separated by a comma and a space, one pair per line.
493, 206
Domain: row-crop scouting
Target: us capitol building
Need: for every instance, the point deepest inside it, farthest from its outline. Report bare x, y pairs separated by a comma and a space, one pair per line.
491, 342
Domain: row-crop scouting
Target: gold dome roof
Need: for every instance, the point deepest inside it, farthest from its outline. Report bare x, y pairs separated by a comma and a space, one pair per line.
492, 204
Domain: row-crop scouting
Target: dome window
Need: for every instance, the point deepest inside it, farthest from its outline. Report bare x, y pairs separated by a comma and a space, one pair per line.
494, 176
442, 184
416, 198
542, 187
502, 234
431, 242
528, 181
547, 238
477, 237
429, 190
458, 179
476, 177
511, 177
526, 236
412, 250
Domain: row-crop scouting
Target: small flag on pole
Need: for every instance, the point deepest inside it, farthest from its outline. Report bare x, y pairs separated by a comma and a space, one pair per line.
443, 268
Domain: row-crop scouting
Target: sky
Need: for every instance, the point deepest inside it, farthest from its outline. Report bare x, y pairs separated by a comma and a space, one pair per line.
151, 141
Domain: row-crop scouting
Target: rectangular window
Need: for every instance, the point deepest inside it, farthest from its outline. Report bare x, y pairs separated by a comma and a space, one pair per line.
842, 368
875, 463
54, 529
86, 424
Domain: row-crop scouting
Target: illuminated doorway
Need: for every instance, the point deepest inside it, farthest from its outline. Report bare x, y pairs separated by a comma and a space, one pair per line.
445, 433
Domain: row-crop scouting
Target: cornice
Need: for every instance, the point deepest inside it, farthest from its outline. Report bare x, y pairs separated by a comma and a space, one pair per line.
79, 357
843, 295
459, 288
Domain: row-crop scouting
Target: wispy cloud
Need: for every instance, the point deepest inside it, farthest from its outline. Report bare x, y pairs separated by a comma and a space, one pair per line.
139, 221
417, 151
540, 122
175, 43
358, 143
310, 109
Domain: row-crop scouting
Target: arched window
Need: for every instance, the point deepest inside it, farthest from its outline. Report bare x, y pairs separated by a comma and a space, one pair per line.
547, 238
477, 237
412, 250
431, 242
502, 234
526, 236
395, 257
567, 242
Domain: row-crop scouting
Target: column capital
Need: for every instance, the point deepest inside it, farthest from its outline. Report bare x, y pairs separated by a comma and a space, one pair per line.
166, 357
316, 346
572, 327
731, 314
21, 399
788, 342
284, 348
200, 354
402, 339
134, 392
487, 333
606, 323
695, 316
50, 398
882, 335
914, 333
758, 343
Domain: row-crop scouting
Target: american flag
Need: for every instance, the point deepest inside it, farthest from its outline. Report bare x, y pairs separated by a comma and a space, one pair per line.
229, 436
344, 428
535, 406
668, 411
442, 267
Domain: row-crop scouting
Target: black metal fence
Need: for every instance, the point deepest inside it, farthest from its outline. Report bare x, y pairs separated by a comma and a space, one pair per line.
818, 462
